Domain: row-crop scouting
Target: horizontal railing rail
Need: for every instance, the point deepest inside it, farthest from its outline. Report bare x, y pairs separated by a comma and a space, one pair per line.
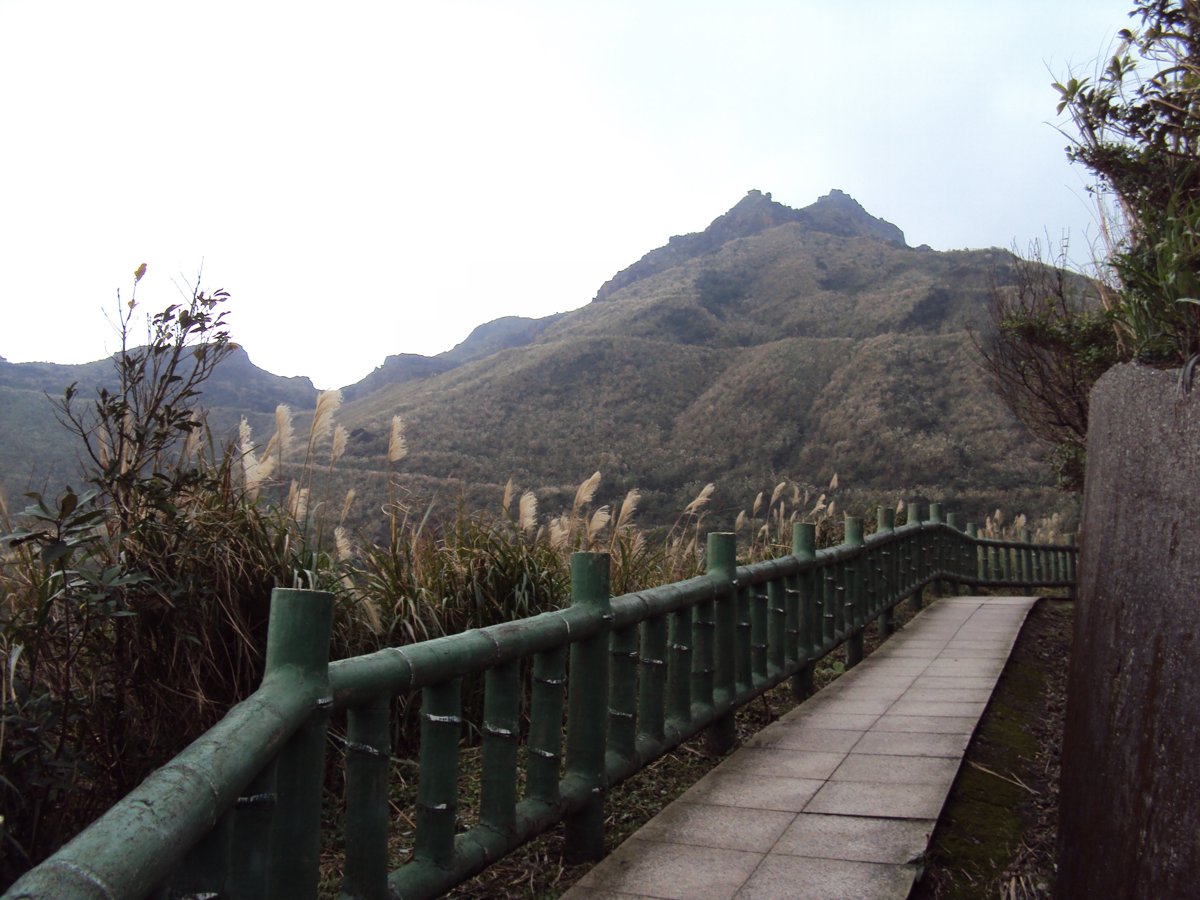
238, 813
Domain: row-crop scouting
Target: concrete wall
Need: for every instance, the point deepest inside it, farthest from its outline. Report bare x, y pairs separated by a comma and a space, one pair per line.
1130, 804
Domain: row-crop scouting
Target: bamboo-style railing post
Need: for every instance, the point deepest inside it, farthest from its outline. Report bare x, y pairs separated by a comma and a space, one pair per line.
781, 645
501, 731
368, 757
545, 726
652, 679
204, 869
885, 523
622, 694
855, 593
972, 556
937, 543
298, 632
722, 566
250, 846
679, 667
759, 645
1070, 566
916, 555
830, 617
806, 611
437, 786
743, 649
1026, 556
952, 557
587, 705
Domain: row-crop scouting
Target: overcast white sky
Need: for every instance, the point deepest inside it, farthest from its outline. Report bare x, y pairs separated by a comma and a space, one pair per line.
370, 178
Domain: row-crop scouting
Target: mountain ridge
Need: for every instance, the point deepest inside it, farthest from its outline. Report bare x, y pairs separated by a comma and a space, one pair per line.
781, 350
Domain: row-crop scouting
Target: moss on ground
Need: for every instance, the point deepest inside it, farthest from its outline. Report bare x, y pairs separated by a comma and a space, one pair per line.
997, 832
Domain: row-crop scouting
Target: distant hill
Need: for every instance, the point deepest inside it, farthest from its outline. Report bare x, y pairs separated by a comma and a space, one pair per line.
35, 453
776, 343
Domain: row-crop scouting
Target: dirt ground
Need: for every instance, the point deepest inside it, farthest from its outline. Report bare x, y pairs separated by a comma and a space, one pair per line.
997, 834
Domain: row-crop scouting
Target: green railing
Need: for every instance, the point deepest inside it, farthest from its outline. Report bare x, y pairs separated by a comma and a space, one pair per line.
238, 813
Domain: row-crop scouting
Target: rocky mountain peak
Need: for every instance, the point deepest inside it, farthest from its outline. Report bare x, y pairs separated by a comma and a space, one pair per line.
836, 213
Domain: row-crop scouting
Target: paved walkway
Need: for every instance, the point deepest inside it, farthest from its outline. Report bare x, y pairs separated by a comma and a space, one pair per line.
839, 797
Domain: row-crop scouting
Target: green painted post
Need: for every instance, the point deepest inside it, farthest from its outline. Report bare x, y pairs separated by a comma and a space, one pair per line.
1027, 573
501, 730
203, 870
1072, 540
622, 694
829, 606
952, 555
368, 756
885, 523
916, 554
758, 637
781, 647
934, 558
298, 632
743, 651
972, 557
652, 678
704, 629
856, 595
437, 785
587, 702
545, 726
722, 564
251, 844
679, 667
804, 610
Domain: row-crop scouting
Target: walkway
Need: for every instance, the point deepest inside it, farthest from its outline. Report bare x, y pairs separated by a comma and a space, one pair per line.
839, 797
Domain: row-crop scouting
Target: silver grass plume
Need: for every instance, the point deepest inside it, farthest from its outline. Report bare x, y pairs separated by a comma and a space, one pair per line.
585, 493
397, 447
527, 512
701, 498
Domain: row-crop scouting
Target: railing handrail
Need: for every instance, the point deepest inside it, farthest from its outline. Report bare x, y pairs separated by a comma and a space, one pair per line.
735, 632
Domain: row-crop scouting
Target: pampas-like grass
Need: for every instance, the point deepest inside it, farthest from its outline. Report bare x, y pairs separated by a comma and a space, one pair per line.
341, 543
397, 446
701, 499
598, 522
775, 494
527, 512
628, 509
297, 502
340, 438
584, 494
284, 430
328, 403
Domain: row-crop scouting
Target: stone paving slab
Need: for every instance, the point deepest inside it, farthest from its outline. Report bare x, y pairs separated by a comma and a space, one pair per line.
839, 797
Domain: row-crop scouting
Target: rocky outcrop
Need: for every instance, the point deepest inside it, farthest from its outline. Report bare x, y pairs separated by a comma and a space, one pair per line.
836, 213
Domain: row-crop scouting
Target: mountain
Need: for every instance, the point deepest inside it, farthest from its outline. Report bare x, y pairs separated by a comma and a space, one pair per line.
836, 213
776, 343
491, 337
34, 452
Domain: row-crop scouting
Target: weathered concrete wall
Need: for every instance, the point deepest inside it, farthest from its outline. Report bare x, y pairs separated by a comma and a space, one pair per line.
1130, 804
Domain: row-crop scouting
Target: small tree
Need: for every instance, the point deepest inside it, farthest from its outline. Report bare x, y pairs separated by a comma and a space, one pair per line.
1047, 340
1138, 131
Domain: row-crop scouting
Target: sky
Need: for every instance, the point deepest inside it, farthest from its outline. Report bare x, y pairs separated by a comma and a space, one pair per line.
374, 178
